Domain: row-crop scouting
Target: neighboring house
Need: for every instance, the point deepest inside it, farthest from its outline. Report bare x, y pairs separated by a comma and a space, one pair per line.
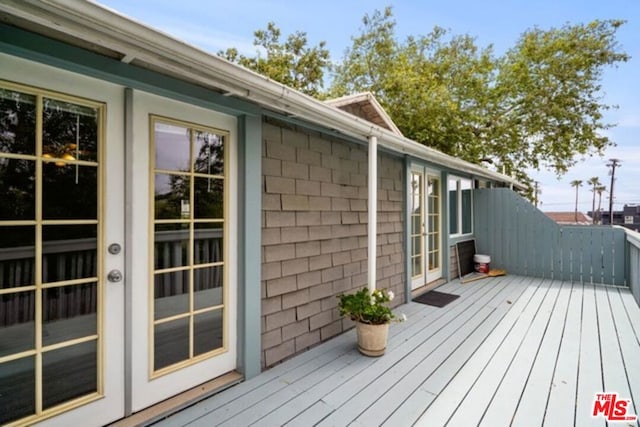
569, 218
168, 218
628, 217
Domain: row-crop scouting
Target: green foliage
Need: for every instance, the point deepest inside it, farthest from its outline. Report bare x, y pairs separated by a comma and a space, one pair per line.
538, 105
291, 62
367, 308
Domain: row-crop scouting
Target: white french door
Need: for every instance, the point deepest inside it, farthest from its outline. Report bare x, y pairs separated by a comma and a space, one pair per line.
425, 213
183, 214
61, 206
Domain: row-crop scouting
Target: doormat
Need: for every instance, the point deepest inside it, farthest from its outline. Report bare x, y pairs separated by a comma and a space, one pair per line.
435, 298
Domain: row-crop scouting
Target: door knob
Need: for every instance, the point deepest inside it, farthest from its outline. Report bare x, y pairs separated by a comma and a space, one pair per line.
114, 276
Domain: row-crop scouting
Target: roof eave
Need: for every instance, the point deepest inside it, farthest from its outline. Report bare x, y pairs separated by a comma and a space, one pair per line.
104, 27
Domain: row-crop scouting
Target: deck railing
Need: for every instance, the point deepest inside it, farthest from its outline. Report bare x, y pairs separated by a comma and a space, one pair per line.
633, 242
76, 258
523, 240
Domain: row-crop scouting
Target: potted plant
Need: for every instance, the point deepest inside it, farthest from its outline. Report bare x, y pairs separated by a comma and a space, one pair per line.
372, 315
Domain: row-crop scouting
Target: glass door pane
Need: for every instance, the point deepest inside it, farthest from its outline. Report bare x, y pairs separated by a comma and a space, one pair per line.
433, 225
189, 182
50, 231
417, 225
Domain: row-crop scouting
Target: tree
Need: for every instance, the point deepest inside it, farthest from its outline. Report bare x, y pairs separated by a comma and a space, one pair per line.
600, 189
538, 105
576, 183
594, 182
291, 62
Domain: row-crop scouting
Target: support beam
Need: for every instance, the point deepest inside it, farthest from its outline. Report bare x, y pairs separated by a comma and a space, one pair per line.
373, 211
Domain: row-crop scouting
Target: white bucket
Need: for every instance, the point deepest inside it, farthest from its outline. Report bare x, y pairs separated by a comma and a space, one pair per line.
481, 263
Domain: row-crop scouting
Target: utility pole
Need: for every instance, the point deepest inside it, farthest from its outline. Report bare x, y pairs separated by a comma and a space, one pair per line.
613, 164
536, 191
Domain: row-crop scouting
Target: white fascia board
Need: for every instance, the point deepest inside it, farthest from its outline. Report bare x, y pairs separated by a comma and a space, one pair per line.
94, 23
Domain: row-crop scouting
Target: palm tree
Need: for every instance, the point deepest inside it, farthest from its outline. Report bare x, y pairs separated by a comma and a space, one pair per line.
600, 189
594, 181
576, 183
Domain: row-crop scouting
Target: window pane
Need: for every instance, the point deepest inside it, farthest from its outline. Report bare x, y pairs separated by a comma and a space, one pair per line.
171, 343
208, 243
207, 332
69, 312
68, 373
70, 131
171, 245
69, 191
209, 198
207, 285
17, 389
17, 122
172, 196
17, 189
17, 256
17, 327
453, 212
466, 211
208, 153
171, 294
69, 252
172, 147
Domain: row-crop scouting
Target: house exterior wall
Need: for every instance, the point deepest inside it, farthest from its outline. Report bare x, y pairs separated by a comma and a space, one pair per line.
314, 235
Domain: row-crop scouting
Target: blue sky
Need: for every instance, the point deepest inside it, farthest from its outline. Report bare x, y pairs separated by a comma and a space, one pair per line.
214, 25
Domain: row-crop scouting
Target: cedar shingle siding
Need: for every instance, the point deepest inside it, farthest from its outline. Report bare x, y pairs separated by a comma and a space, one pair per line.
314, 235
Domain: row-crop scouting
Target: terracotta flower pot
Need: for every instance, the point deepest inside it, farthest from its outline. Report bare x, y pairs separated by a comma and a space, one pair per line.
372, 339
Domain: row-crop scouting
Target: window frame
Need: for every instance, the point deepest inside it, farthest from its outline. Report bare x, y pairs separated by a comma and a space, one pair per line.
459, 232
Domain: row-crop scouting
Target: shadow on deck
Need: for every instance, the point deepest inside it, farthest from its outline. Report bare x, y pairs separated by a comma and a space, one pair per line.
511, 350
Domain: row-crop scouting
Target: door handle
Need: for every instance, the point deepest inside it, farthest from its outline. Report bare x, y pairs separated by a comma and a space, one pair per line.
114, 276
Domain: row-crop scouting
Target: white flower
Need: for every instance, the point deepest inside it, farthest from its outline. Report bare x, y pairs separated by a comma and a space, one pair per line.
403, 317
391, 295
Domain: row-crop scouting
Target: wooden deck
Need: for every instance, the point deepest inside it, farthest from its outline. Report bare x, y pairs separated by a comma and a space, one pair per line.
510, 351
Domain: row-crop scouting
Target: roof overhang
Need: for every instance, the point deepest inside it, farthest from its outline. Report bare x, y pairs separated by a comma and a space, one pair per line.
102, 30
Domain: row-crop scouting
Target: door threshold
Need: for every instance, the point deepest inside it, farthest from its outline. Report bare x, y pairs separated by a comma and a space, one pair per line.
179, 402
428, 287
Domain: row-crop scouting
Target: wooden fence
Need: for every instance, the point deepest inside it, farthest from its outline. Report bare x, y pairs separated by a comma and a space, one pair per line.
523, 240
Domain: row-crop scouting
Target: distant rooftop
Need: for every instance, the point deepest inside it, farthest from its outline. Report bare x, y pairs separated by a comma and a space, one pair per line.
569, 218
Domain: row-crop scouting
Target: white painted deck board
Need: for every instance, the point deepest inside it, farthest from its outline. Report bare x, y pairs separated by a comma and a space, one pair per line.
507, 396
471, 409
533, 401
510, 351
590, 364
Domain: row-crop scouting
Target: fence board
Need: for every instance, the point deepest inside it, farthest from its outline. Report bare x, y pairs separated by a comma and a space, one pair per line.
523, 240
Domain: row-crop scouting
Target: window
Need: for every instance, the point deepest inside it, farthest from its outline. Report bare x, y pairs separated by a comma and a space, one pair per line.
460, 212
188, 286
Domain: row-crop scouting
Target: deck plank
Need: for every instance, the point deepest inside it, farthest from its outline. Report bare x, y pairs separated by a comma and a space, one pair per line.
471, 410
624, 317
445, 405
590, 364
531, 408
514, 350
613, 365
366, 384
405, 401
560, 409
504, 403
